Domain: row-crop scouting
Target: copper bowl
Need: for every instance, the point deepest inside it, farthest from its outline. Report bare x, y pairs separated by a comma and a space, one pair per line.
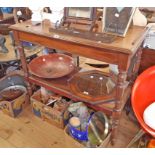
12, 92
52, 66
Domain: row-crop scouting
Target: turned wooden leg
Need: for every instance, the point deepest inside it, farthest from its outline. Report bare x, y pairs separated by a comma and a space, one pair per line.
120, 87
25, 69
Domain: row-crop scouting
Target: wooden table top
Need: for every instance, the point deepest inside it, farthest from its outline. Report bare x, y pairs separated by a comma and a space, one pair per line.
127, 45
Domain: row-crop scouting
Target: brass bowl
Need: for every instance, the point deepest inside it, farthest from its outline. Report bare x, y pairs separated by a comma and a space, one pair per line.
98, 129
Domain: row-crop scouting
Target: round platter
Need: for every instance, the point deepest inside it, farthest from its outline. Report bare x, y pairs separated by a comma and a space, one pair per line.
52, 66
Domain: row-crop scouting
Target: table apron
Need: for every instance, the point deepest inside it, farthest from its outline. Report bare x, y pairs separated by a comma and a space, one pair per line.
101, 54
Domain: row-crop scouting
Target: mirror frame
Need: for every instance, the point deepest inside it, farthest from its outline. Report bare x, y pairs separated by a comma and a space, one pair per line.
127, 24
92, 14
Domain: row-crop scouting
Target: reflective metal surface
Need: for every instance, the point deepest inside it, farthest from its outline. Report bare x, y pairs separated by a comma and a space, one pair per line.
98, 128
12, 92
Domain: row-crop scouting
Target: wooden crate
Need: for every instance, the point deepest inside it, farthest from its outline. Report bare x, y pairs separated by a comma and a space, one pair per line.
73, 143
47, 113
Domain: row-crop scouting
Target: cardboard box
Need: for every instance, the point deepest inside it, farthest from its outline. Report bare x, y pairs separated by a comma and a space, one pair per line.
14, 107
47, 113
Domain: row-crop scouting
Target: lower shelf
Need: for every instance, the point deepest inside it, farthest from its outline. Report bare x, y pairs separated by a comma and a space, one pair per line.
61, 86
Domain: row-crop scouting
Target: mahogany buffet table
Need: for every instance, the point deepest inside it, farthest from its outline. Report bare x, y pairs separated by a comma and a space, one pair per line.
124, 52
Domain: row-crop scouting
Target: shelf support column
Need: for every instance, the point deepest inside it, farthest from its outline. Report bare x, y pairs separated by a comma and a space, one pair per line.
116, 114
20, 49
